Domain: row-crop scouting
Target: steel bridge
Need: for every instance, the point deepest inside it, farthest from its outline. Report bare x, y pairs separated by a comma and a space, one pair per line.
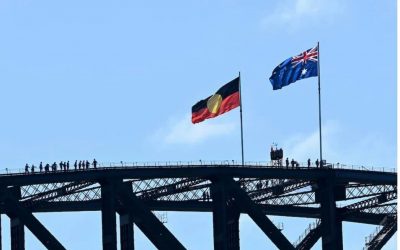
329, 195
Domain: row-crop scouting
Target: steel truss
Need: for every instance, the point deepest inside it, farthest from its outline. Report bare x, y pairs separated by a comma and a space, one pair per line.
365, 198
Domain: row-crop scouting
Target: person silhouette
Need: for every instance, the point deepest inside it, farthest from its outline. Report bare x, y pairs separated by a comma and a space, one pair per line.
287, 162
317, 163
94, 163
308, 163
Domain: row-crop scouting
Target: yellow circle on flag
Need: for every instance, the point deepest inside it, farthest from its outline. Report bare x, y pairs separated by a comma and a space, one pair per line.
214, 103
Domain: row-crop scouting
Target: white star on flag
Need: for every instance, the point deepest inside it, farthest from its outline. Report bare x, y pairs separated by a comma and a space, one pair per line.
304, 71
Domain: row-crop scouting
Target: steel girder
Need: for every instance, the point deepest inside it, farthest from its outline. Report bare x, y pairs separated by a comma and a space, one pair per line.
387, 229
195, 206
148, 223
202, 172
17, 230
126, 231
331, 225
87, 193
258, 216
311, 236
287, 193
184, 189
283, 194
108, 216
225, 218
15, 210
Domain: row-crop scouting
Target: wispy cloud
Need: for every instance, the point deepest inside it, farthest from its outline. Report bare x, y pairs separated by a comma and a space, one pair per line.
182, 131
340, 146
306, 146
301, 13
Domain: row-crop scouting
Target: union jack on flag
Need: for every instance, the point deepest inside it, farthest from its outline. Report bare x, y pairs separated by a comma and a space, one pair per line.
295, 68
311, 54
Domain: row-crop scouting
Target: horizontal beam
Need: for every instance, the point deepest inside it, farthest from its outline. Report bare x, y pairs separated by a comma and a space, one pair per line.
198, 206
204, 172
364, 218
181, 206
148, 223
256, 213
14, 209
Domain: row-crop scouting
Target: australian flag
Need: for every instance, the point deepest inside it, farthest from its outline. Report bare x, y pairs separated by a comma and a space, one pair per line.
295, 68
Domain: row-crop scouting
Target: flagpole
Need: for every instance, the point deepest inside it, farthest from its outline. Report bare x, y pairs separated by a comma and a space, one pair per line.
319, 102
241, 118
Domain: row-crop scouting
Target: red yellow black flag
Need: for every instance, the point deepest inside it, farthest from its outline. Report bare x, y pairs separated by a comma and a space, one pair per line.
225, 99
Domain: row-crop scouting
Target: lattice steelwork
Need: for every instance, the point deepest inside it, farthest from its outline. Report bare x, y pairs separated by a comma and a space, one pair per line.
262, 191
283, 192
72, 191
299, 198
88, 193
382, 209
354, 191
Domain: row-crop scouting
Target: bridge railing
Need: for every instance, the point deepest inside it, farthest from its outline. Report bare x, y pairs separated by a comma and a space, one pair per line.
198, 163
234, 163
310, 227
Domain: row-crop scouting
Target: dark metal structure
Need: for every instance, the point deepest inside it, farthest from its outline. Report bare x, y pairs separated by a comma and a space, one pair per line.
330, 195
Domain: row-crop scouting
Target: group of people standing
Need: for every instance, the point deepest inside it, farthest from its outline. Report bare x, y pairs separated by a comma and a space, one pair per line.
62, 166
295, 164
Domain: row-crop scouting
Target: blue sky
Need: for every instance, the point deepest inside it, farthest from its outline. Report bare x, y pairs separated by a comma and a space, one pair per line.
116, 81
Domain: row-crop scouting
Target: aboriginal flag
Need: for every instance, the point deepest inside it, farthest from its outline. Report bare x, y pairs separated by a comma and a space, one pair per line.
225, 99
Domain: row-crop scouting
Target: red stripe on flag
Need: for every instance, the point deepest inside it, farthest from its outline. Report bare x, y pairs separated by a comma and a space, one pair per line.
227, 104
